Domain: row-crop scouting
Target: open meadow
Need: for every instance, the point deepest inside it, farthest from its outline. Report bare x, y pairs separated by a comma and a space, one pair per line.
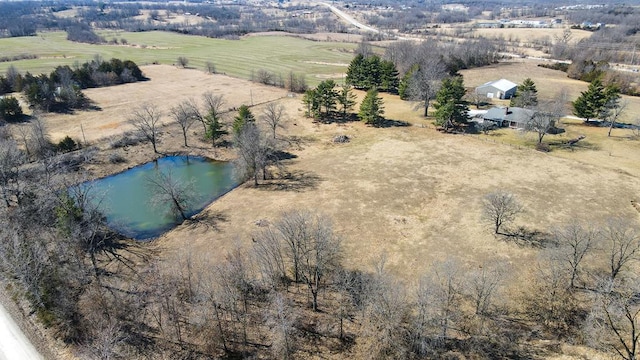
238, 58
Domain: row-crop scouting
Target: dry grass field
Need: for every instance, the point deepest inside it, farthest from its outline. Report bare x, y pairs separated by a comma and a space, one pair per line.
411, 193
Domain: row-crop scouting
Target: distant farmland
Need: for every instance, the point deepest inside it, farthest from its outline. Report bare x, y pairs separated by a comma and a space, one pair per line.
238, 58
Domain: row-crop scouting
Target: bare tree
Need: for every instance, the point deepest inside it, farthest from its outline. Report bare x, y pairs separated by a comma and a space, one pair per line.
281, 319
482, 285
185, 114
306, 243
622, 244
384, 322
268, 253
146, 119
320, 255
254, 152
575, 242
168, 189
440, 294
547, 298
613, 324
500, 207
11, 159
612, 111
235, 288
39, 140
545, 117
273, 115
425, 80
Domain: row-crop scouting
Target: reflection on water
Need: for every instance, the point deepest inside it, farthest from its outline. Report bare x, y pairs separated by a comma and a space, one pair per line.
125, 198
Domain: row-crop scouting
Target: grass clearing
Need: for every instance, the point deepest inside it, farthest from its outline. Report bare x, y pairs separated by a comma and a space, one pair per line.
279, 54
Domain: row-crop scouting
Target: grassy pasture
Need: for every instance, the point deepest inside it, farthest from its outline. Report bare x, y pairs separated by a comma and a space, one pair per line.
279, 54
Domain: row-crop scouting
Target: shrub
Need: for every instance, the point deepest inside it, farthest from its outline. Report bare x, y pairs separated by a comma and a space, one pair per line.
67, 144
117, 158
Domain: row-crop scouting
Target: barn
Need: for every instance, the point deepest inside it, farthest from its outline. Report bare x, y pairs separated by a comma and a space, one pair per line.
498, 89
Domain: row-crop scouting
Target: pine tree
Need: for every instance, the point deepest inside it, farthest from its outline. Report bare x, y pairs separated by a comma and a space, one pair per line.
347, 100
355, 72
388, 77
526, 95
327, 96
311, 101
451, 110
590, 103
244, 116
371, 108
215, 129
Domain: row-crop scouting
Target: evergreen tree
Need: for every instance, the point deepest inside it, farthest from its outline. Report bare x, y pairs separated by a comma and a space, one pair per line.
405, 83
215, 128
311, 101
355, 72
388, 77
10, 109
526, 95
451, 110
372, 72
590, 103
244, 116
347, 100
327, 96
371, 108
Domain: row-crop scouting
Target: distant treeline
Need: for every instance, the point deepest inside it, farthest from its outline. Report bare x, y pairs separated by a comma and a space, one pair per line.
25, 19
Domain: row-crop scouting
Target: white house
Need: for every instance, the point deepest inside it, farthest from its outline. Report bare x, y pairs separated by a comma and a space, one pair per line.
499, 89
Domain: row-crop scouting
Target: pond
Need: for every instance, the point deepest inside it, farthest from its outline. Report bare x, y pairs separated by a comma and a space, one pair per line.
130, 202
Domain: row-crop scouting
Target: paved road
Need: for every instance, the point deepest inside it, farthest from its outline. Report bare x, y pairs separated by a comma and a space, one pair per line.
350, 19
14, 345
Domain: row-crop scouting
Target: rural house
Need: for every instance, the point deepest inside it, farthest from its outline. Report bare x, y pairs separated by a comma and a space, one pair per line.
499, 89
513, 117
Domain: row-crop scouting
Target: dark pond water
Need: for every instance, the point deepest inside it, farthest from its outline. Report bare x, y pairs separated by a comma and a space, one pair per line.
126, 198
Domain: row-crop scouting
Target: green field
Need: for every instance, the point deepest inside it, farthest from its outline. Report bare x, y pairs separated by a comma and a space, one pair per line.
279, 54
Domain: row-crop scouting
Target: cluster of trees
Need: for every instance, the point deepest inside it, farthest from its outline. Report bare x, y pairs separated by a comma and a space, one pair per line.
323, 101
257, 148
599, 101
370, 72
146, 119
327, 103
82, 32
293, 82
423, 67
62, 89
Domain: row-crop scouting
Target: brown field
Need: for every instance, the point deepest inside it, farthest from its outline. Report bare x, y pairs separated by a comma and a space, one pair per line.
411, 193
531, 34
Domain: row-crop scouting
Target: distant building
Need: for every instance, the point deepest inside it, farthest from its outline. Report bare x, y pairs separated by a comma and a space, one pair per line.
499, 89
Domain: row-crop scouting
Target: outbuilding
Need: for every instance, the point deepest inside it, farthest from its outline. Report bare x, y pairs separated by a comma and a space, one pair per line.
498, 89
